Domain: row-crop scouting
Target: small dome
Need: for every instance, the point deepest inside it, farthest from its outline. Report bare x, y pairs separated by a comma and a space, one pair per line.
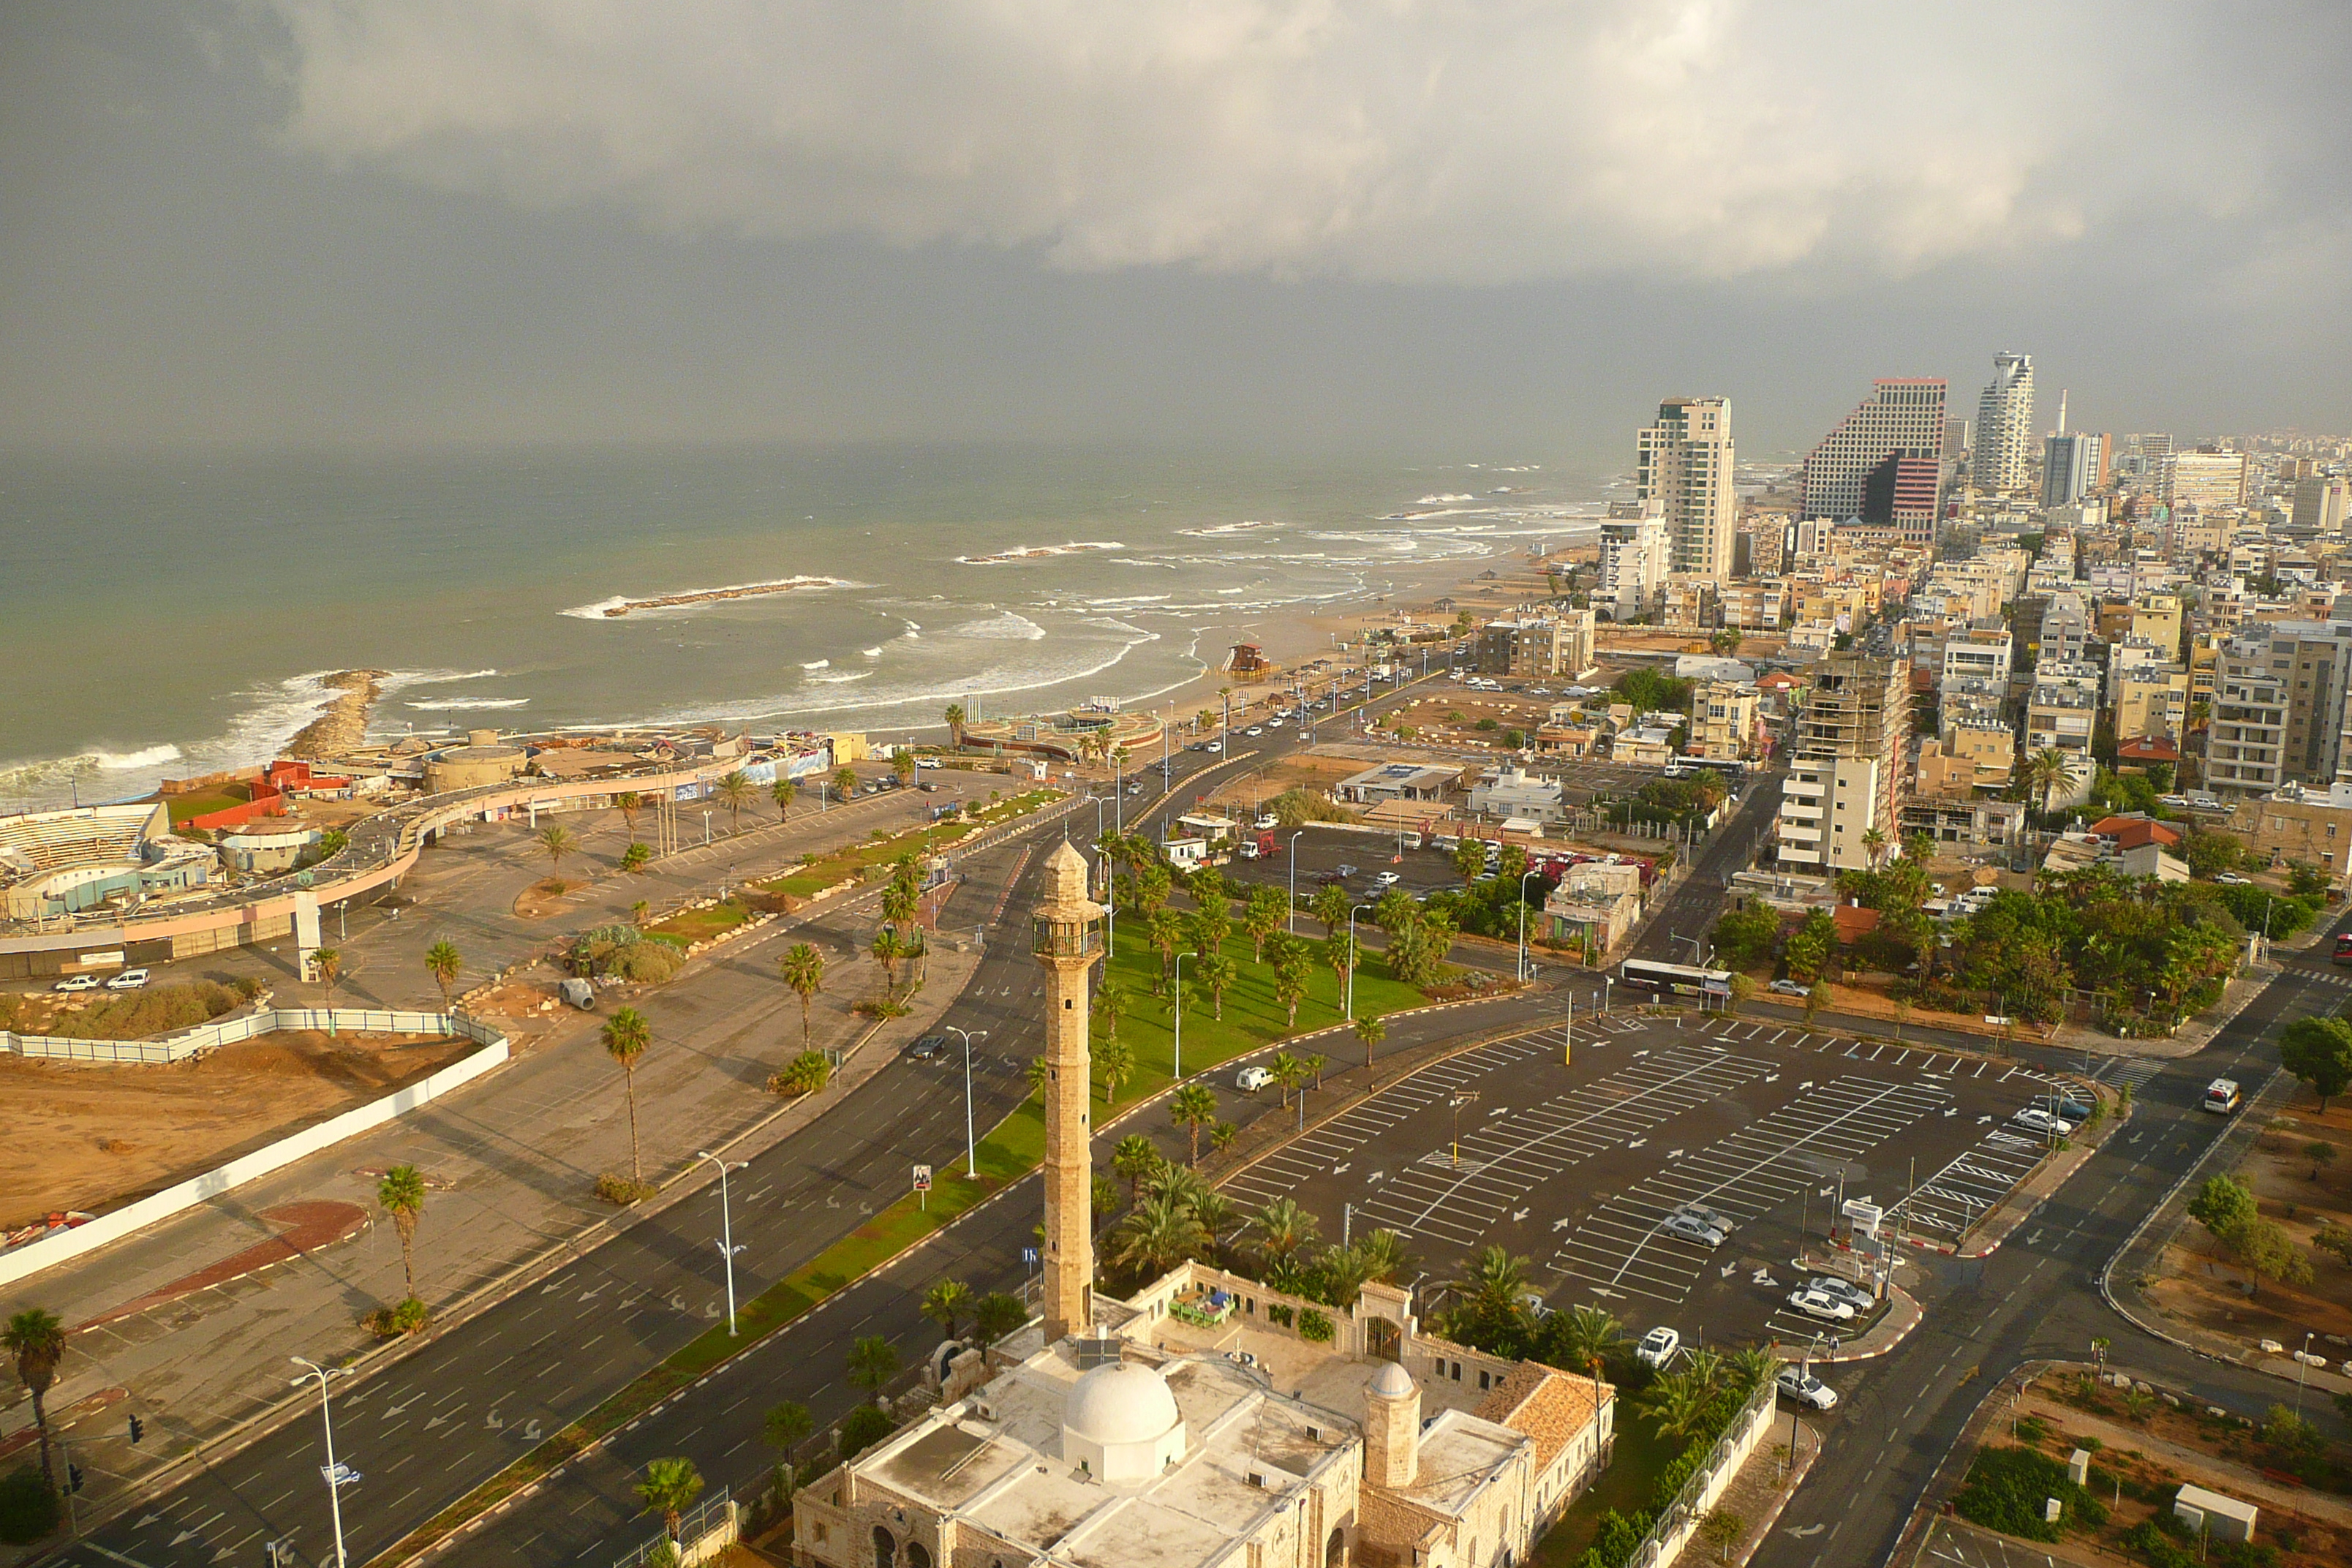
1120, 1405
1391, 1381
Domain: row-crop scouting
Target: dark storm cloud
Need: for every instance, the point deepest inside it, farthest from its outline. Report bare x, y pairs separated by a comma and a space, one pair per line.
1327, 223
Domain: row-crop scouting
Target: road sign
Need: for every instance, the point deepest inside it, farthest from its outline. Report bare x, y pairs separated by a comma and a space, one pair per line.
339, 1474
1028, 1257
922, 1178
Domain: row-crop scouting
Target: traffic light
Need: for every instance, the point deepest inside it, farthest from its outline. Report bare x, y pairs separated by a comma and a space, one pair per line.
137, 1428
73, 1478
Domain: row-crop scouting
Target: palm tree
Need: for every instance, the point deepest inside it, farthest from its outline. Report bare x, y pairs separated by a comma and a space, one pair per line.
628, 803
996, 1315
1677, 1404
784, 791
327, 964
1371, 1031
1114, 1062
1218, 1214
1222, 1136
955, 716
1110, 1000
1261, 916
2045, 771
443, 962
1159, 1232
627, 1035
734, 791
786, 1428
1039, 1073
872, 1363
1384, 1256
1752, 1368
1193, 1107
1215, 972
401, 1194
1283, 1228
844, 781
902, 762
1874, 843
888, 951
1585, 1335
668, 1489
802, 968
945, 1302
1470, 860
1290, 984
37, 1338
1134, 1158
556, 841
1288, 1072
1496, 1280
805, 1074
1329, 905
1165, 933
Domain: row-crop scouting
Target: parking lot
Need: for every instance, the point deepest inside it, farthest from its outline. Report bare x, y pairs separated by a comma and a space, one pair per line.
1580, 1167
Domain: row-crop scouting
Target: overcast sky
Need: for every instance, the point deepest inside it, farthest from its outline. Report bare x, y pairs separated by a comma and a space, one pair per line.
1398, 224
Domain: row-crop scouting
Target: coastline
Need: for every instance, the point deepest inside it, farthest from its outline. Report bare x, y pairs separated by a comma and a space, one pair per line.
343, 725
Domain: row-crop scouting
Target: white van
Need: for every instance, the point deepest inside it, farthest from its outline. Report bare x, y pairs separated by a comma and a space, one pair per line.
2221, 1096
1250, 1079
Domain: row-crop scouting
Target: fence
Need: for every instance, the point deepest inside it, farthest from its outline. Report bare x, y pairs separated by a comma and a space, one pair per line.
59, 1245
708, 1530
204, 1037
1680, 1520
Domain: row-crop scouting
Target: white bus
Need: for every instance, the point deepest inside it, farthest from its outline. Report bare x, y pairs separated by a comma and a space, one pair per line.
1674, 979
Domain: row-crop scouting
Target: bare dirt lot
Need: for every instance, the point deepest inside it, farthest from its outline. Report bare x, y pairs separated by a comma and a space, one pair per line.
82, 1136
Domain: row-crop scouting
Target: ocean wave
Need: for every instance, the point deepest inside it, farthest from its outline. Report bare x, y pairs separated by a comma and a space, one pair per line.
840, 677
1008, 627
622, 606
145, 757
871, 652
1218, 530
1038, 552
1441, 501
818, 664
450, 704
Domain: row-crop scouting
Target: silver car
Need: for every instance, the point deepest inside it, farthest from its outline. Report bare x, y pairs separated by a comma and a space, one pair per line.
1690, 1228
1806, 1389
1816, 1304
1858, 1297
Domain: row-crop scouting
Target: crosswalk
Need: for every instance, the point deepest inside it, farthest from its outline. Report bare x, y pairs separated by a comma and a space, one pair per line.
1619, 1250
1955, 1197
2133, 1070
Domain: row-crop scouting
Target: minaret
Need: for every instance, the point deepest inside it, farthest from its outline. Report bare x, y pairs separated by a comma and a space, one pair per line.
1067, 940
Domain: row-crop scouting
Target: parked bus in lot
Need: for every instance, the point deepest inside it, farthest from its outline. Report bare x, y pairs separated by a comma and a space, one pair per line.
2344, 948
2221, 1096
1674, 979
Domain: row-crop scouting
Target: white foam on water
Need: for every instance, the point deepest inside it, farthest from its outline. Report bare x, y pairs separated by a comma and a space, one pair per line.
1008, 627
819, 664
449, 704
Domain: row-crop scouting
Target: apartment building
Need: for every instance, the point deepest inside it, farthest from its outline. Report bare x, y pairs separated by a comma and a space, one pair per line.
2152, 701
1556, 642
2311, 663
2322, 504
2004, 425
1977, 652
1968, 701
1634, 555
1723, 722
1757, 607
2062, 709
2245, 744
1685, 462
2159, 619
1850, 748
2066, 630
2207, 479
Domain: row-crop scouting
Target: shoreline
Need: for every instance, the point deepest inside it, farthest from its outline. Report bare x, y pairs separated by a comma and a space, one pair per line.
343, 726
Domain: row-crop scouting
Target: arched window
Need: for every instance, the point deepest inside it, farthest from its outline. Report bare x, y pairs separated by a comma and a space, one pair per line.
885, 1551
1335, 1551
918, 1556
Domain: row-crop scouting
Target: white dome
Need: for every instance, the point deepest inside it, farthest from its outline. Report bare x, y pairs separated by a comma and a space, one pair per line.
1391, 1381
1113, 1405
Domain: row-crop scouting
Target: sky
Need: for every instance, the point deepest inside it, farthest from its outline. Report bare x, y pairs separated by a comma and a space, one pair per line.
1403, 226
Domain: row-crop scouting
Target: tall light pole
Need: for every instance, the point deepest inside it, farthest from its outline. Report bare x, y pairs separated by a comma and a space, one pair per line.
2302, 1363
1292, 926
726, 1248
1176, 994
971, 1145
1353, 956
1522, 970
333, 1472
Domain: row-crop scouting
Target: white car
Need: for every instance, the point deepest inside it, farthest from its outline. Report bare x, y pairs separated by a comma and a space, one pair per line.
2232, 879
1714, 1219
1806, 1389
1249, 1081
1267, 821
1387, 880
1658, 1347
1846, 1290
1253, 730
1691, 1229
1817, 1303
2035, 1119
77, 983
129, 980
1792, 988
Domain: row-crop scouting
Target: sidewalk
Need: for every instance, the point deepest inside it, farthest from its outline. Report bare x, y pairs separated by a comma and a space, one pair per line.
1763, 1486
159, 1331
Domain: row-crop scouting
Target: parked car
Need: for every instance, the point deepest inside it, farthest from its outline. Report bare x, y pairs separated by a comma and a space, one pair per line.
1658, 1346
1343, 870
2034, 1120
2072, 1113
1855, 1296
129, 980
1250, 1079
77, 983
1805, 1388
1817, 1303
1709, 1216
926, 1047
1253, 729
1387, 880
2232, 879
1792, 988
1691, 1229
1266, 820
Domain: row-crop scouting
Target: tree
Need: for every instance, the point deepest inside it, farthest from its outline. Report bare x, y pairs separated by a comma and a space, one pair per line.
872, 1363
1384, 1256
2318, 1051
626, 1037
635, 856
327, 964
1262, 916
803, 1075
845, 782
1288, 1072
1874, 843
1114, 1063
784, 791
2207, 852
2321, 1156
1583, 1337
668, 1489
955, 719
1193, 1107
1743, 936
1159, 1232
1165, 933
888, 951
37, 1339
945, 1302
996, 1315
628, 803
1724, 640
2222, 1206
1817, 997
2268, 1252
786, 1427
1330, 906
1470, 860
1222, 1136
1678, 1404
1340, 952
734, 791
2045, 771
1040, 1074
1283, 1229
443, 962
401, 1193
1371, 1031
902, 762
555, 841
1496, 1282
1722, 1530
1134, 1158
802, 968
1810, 945
1291, 984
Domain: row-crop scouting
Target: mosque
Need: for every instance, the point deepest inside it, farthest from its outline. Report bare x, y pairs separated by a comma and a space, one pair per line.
1208, 1422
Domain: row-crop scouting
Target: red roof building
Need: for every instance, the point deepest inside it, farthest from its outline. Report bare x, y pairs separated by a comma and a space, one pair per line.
2132, 832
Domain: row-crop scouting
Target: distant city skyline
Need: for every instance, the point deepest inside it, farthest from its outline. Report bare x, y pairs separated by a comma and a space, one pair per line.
300, 224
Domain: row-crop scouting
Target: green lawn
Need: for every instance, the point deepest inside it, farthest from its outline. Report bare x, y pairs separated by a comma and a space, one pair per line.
1642, 1455
857, 860
184, 806
700, 925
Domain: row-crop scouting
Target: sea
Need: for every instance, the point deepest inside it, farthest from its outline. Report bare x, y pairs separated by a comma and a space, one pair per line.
168, 617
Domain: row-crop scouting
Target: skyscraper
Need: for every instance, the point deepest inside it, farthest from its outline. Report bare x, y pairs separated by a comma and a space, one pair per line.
1685, 465
2004, 424
2072, 467
1902, 418
2208, 480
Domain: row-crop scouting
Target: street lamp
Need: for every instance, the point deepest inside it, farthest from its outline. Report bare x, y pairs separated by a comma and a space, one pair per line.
333, 1472
726, 1248
2302, 1363
1177, 996
1521, 971
971, 1146
1352, 956
1293, 926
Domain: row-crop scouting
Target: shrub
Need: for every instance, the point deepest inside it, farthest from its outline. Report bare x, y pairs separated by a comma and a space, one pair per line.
650, 962
862, 1428
2005, 1488
618, 1189
1278, 1315
1314, 1327
805, 1074
391, 1322
28, 1509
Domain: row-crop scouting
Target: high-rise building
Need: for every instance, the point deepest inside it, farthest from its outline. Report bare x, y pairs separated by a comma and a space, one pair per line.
1685, 464
1959, 433
2004, 424
1634, 557
2206, 479
2072, 467
1901, 492
1902, 418
1849, 747
2322, 503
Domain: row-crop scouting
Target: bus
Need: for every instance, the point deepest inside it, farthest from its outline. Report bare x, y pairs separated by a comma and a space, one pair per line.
2221, 1096
1674, 979
2344, 948
1685, 767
